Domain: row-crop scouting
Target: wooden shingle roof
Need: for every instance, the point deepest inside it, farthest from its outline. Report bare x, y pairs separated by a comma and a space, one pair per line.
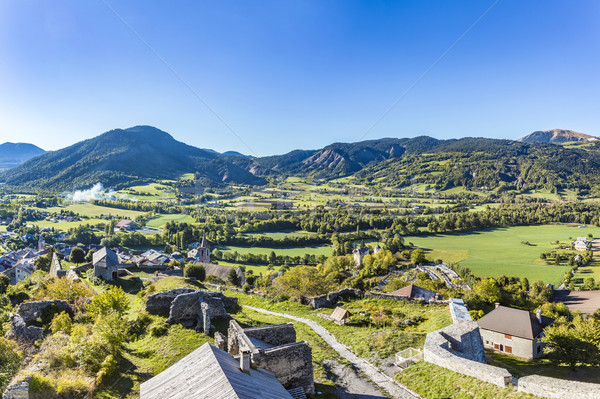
210, 373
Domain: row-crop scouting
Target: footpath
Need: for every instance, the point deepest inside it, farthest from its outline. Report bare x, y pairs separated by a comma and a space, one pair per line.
385, 382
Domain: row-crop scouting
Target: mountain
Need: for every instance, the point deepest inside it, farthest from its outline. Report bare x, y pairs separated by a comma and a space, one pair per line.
556, 136
490, 164
124, 156
13, 154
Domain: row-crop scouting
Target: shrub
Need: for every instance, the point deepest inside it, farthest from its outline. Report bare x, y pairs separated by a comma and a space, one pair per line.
10, 359
246, 287
138, 326
159, 328
61, 322
195, 270
112, 300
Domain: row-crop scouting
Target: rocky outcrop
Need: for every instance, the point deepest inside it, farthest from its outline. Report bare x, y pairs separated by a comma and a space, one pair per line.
18, 390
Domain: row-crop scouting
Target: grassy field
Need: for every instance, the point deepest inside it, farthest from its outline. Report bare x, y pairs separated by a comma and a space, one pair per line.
161, 220
283, 234
494, 252
65, 226
294, 251
434, 382
371, 341
87, 209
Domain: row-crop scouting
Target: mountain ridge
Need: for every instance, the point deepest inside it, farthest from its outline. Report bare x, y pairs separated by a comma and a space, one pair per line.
556, 136
13, 154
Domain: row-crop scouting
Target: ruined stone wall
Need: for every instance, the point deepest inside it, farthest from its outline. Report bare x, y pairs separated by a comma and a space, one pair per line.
459, 348
31, 311
160, 303
291, 364
547, 387
330, 299
17, 391
22, 332
279, 334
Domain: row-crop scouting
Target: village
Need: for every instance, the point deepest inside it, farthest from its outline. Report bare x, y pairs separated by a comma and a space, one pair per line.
267, 361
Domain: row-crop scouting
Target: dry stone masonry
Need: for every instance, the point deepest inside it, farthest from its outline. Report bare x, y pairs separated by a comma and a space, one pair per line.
191, 307
274, 348
547, 387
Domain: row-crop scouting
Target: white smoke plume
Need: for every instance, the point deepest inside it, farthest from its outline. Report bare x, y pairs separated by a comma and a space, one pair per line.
96, 192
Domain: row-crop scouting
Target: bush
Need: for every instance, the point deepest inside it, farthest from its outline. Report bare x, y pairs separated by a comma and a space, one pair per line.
246, 287
138, 326
212, 279
61, 322
10, 359
112, 300
195, 270
159, 328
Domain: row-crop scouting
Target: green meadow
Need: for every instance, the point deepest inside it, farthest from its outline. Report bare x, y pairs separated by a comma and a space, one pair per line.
293, 251
161, 220
494, 252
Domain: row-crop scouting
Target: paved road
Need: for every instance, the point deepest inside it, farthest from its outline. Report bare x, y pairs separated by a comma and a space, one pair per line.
388, 384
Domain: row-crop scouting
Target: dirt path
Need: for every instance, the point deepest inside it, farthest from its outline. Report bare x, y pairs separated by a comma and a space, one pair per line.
393, 388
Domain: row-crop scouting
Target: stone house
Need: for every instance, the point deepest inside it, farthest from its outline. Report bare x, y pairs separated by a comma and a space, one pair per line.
580, 244
514, 332
127, 225
106, 264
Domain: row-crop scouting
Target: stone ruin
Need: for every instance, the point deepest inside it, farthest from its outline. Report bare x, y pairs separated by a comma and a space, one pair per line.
332, 298
30, 312
274, 348
191, 308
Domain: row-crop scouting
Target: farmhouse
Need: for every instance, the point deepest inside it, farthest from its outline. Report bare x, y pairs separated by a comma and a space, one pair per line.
209, 372
514, 332
580, 244
128, 225
106, 264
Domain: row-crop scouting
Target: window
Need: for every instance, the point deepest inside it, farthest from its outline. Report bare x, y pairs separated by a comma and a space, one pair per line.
539, 349
496, 346
501, 348
508, 349
507, 336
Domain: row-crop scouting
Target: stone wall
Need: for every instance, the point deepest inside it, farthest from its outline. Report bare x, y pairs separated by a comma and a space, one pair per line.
160, 303
382, 295
547, 387
279, 334
186, 308
459, 348
17, 391
291, 364
24, 333
332, 298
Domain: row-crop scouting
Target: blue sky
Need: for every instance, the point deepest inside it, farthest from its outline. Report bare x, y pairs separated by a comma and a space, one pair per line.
296, 74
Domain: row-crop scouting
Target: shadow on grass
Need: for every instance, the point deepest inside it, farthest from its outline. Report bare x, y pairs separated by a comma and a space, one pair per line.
123, 380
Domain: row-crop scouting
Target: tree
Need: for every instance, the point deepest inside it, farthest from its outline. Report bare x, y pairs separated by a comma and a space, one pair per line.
110, 301
574, 343
43, 262
487, 289
4, 283
195, 270
90, 256
233, 278
77, 255
417, 256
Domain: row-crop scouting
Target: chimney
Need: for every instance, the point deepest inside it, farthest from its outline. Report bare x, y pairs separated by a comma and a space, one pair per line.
538, 314
245, 361
496, 305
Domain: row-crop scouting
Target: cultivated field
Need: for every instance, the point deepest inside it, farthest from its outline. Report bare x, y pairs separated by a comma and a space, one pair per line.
494, 252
